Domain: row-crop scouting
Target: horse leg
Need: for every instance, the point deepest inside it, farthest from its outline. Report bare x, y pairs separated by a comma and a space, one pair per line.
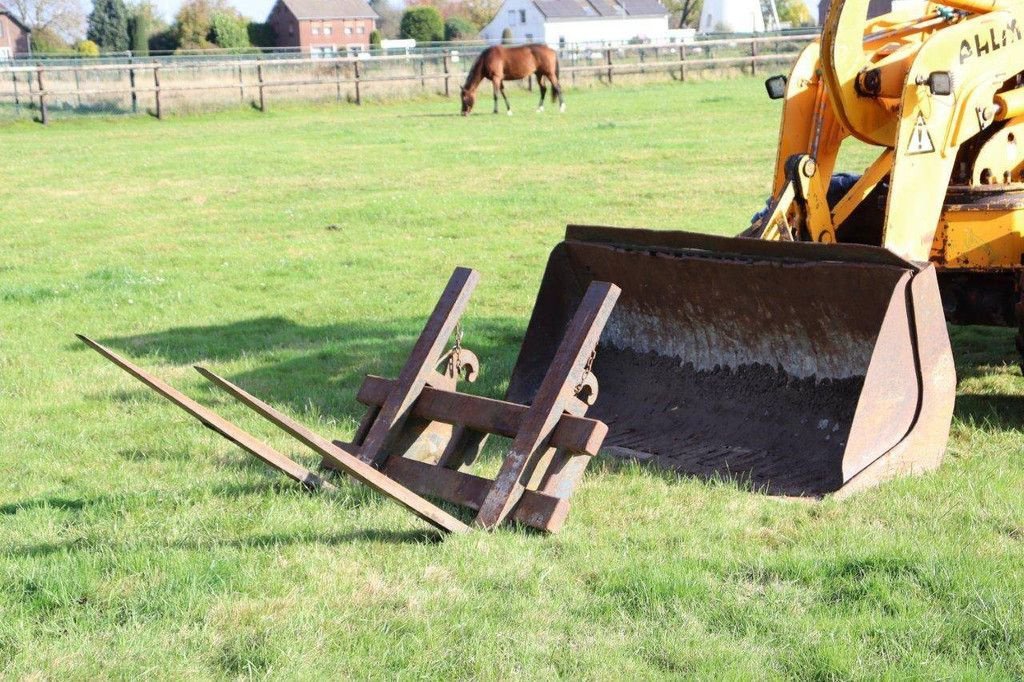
556, 91
543, 92
508, 107
496, 84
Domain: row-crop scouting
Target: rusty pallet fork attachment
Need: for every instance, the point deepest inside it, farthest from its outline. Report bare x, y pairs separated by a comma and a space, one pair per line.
801, 368
420, 417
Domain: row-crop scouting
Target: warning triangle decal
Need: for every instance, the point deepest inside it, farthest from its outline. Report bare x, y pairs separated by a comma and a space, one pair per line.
920, 138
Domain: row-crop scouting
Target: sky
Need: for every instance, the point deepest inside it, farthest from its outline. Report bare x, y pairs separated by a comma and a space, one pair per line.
254, 9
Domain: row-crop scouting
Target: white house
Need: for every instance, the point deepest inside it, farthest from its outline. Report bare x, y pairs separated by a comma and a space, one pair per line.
571, 22
739, 16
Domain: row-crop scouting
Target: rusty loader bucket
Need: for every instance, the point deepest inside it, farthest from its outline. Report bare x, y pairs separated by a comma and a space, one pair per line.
799, 368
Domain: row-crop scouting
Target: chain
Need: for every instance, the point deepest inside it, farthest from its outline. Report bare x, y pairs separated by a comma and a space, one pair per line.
457, 349
586, 372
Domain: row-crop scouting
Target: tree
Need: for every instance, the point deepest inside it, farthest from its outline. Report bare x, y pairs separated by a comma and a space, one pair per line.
108, 25
685, 13
47, 41
423, 24
794, 12
388, 18
506, 36
229, 29
459, 28
139, 30
193, 22
375, 39
60, 20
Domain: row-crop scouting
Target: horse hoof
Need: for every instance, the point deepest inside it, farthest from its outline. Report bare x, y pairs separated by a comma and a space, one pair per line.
540, 110
561, 109
509, 112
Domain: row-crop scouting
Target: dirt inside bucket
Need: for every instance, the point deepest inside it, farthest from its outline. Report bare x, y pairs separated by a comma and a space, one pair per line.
755, 423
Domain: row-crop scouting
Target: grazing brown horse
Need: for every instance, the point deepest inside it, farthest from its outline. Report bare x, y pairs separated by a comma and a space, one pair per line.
500, 64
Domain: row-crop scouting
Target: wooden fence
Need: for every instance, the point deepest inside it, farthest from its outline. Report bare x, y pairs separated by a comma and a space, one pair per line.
158, 87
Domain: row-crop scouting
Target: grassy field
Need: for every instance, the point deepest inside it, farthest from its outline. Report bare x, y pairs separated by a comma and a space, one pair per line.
298, 250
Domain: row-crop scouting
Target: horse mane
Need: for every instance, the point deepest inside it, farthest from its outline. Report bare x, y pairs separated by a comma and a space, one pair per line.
475, 74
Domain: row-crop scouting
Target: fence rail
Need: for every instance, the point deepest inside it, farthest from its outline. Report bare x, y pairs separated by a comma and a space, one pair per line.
42, 91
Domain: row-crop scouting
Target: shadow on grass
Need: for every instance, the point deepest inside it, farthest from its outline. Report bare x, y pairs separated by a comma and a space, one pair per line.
315, 368
976, 351
262, 541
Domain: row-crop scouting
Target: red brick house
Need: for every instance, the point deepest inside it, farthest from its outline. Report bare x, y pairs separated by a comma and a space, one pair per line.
13, 35
323, 27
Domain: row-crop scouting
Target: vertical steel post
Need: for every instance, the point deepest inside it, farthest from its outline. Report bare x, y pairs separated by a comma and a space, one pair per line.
259, 77
447, 74
131, 84
43, 118
156, 91
359, 94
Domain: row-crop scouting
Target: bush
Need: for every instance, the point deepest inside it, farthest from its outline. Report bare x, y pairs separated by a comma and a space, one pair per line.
87, 48
375, 39
164, 41
261, 34
458, 28
423, 24
228, 30
506, 36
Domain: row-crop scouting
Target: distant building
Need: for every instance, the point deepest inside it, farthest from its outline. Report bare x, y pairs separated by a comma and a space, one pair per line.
14, 35
570, 22
323, 27
739, 16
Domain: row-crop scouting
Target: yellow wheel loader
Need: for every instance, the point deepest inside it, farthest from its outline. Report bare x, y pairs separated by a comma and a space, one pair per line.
811, 355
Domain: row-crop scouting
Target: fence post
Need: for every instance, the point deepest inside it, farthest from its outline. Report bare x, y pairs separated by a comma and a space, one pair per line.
241, 85
156, 91
131, 83
608, 58
359, 96
682, 63
43, 118
447, 75
259, 77
423, 71
753, 57
17, 99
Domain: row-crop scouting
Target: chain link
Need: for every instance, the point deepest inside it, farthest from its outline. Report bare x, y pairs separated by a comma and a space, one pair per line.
586, 372
457, 349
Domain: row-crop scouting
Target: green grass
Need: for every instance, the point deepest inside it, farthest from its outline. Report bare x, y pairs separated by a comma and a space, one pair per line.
298, 250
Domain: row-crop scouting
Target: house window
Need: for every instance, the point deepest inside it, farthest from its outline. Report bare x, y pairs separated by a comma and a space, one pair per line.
360, 30
291, 29
322, 51
529, 37
5, 54
522, 16
511, 17
328, 29
316, 29
348, 30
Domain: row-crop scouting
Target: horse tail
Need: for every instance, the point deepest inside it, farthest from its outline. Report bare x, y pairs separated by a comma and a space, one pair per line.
558, 78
